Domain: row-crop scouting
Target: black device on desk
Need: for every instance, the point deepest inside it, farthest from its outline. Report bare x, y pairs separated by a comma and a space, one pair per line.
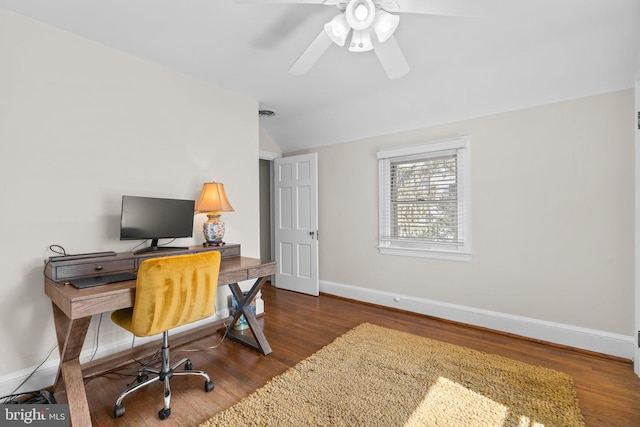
105, 279
81, 256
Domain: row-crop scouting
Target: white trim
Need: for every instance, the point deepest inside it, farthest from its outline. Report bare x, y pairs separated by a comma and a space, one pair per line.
459, 146
268, 155
559, 333
46, 374
425, 253
636, 127
437, 145
573, 336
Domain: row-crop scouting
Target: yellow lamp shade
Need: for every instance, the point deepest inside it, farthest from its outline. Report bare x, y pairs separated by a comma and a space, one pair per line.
213, 198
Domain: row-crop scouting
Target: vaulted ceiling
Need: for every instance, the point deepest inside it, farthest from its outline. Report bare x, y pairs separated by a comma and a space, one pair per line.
517, 54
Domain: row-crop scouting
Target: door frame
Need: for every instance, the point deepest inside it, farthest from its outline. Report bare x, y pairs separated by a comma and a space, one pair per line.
636, 350
270, 157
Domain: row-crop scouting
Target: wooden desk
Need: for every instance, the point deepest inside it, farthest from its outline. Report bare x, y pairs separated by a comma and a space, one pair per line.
73, 309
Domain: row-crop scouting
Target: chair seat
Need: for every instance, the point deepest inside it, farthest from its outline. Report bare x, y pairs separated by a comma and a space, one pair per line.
123, 318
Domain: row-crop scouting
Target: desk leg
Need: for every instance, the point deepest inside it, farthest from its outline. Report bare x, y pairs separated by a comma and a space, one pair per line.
258, 342
76, 394
71, 334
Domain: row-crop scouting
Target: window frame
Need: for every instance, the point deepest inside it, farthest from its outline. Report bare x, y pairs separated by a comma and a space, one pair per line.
425, 248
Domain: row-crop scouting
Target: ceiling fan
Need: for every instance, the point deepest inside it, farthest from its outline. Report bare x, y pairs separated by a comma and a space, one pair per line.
372, 23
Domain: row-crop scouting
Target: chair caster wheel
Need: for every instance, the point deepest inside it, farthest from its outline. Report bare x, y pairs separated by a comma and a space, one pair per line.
118, 411
142, 377
188, 366
163, 414
208, 386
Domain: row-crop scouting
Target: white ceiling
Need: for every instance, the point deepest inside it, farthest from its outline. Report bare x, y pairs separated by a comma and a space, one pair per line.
523, 53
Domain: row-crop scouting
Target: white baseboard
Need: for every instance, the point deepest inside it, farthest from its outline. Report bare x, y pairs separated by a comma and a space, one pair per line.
558, 333
46, 374
573, 336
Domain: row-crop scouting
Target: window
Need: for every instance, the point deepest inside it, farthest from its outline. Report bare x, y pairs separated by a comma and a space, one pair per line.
424, 200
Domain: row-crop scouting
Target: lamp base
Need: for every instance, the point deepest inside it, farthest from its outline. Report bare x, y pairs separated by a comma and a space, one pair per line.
213, 244
213, 230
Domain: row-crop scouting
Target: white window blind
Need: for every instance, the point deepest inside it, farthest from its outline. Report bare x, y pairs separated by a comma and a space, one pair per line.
424, 199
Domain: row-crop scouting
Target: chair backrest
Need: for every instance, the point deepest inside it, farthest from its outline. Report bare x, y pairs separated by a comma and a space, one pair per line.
175, 290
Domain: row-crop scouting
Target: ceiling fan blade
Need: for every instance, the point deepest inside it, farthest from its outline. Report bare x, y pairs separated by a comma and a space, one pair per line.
330, 2
391, 58
311, 54
464, 8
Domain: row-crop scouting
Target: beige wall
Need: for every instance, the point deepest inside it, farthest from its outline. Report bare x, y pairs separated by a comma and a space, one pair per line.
81, 125
552, 216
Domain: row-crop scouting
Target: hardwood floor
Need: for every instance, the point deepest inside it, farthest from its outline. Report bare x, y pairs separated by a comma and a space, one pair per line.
297, 325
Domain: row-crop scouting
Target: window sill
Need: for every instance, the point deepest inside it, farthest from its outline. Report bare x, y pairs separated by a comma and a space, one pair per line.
425, 253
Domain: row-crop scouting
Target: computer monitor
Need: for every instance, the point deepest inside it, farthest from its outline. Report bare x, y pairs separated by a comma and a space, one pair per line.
144, 218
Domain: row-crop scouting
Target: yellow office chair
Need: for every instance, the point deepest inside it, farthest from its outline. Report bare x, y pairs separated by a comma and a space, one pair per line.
170, 291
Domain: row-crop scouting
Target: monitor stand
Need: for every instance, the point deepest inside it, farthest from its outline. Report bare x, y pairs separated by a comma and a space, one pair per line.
155, 247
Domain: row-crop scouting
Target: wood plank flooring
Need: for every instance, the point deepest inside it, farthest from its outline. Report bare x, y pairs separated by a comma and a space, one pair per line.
297, 325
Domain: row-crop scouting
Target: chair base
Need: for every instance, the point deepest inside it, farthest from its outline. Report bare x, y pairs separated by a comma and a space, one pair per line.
164, 374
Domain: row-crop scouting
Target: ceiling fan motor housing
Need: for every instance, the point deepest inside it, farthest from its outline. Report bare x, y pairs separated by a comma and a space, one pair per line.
360, 14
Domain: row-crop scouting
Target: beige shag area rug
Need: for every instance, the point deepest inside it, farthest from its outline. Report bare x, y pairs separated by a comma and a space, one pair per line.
374, 376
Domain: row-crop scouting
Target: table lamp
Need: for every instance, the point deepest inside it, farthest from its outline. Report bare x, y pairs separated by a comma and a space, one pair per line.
212, 201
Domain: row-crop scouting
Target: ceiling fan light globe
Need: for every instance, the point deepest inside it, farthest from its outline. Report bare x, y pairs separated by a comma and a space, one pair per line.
360, 14
385, 25
337, 29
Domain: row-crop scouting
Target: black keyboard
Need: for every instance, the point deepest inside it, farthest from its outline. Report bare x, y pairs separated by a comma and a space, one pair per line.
105, 279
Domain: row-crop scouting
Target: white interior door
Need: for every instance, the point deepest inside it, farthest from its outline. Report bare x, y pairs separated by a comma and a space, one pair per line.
296, 223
